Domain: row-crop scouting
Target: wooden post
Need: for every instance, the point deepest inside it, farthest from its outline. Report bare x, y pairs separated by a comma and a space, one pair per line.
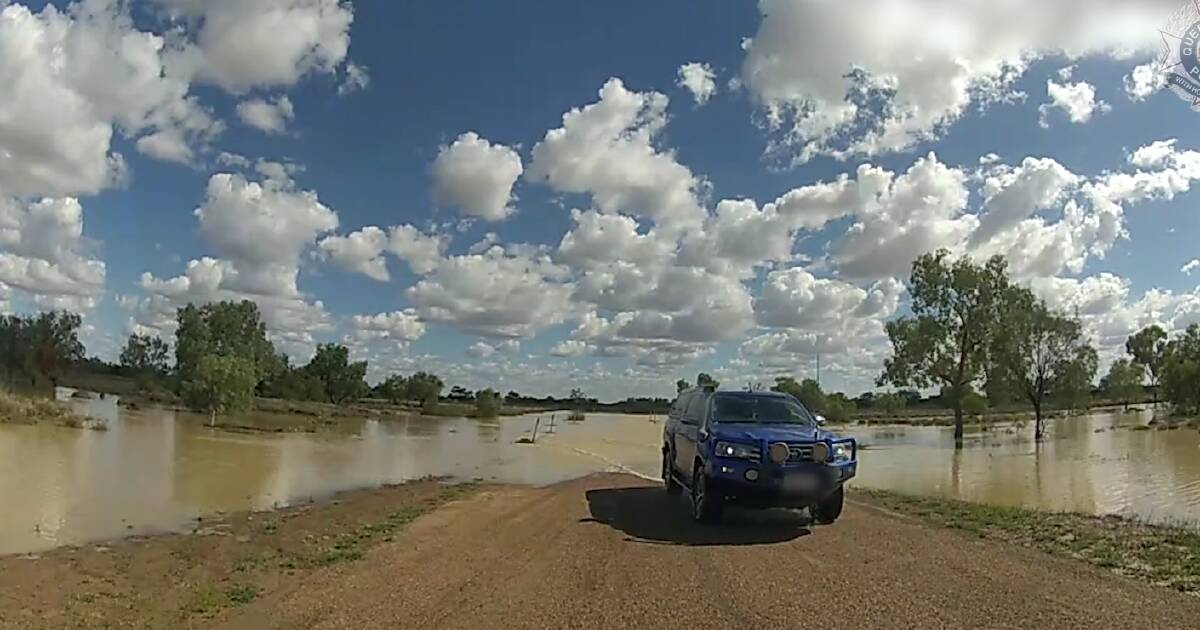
535, 428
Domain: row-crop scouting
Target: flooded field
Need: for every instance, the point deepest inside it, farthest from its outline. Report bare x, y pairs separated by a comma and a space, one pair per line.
157, 470
1097, 464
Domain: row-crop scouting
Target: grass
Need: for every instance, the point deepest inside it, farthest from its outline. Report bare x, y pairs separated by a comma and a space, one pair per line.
209, 601
29, 410
241, 594
1162, 555
351, 546
249, 575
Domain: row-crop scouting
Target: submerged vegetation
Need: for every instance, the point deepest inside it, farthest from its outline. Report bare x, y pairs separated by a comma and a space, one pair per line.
22, 409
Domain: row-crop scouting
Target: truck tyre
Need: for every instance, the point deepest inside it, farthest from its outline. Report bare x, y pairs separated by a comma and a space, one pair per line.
707, 504
668, 473
828, 511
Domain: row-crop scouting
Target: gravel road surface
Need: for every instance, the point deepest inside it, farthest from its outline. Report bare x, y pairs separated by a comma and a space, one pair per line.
611, 551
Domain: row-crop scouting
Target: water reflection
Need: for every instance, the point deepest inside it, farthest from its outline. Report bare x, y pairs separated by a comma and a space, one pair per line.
1097, 464
156, 470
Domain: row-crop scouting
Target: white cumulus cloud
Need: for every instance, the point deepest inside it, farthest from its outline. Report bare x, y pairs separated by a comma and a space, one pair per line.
606, 149
497, 293
699, 79
477, 176
241, 45
360, 251
1077, 100
864, 78
260, 230
270, 117
1143, 81
402, 327
44, 255
357, 79
73, 80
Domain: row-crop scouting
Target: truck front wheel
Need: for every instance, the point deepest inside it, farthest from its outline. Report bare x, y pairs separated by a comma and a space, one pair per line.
828, 511
707, 502
668, 473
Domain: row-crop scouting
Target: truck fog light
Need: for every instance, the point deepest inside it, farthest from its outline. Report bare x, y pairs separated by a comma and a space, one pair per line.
778, 452
727, 470
751, 475
820, 452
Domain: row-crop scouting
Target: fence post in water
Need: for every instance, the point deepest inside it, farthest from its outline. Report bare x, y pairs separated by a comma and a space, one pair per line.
535, 428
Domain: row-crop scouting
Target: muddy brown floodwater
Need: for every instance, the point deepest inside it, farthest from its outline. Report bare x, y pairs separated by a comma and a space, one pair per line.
157, 470
1103, 463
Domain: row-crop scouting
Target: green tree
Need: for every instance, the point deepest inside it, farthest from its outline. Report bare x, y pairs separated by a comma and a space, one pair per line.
1181, 371
807, 392
1123, 381
945, 341
1181, 377
1073, 390
705, 380
1148, 347
144, 354
394, 388
13, 346
837, 409
1037, 352
342, 380
228, 329
682, 386
974, 404
996, 387
424, 387
40, 347
487, 404
890, 403
292, 383
220, 384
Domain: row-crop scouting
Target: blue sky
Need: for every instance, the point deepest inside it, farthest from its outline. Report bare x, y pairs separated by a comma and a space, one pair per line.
679, 286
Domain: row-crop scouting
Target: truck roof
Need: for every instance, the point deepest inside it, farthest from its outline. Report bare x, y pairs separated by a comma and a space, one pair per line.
746, 394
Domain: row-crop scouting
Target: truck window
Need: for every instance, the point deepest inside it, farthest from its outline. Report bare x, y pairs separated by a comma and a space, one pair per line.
695, 409
680, 405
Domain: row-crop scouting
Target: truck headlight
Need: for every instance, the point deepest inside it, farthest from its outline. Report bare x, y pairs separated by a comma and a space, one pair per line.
737, 451
843, 452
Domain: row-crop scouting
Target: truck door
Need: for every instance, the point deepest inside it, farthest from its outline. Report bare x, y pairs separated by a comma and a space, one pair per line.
674, 428
688, 437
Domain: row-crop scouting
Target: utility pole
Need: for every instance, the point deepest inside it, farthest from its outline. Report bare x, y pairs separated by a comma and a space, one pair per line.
818, 344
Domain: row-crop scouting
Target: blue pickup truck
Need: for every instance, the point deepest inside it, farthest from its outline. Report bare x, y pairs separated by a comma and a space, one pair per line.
754, 449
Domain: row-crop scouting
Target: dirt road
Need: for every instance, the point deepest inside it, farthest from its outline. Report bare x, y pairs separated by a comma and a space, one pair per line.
608, 551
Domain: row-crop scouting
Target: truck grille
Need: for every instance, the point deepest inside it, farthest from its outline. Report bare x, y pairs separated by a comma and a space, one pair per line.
799, 453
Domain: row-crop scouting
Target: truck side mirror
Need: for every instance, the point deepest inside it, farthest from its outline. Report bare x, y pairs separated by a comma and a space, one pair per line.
820, 420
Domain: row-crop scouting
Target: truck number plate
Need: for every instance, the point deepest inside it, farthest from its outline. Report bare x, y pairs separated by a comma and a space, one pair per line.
799, 483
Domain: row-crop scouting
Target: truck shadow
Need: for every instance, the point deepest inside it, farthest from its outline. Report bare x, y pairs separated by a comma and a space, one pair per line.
650, 515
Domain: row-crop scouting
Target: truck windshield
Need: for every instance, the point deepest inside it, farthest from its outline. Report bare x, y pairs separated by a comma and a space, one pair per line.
759, 410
